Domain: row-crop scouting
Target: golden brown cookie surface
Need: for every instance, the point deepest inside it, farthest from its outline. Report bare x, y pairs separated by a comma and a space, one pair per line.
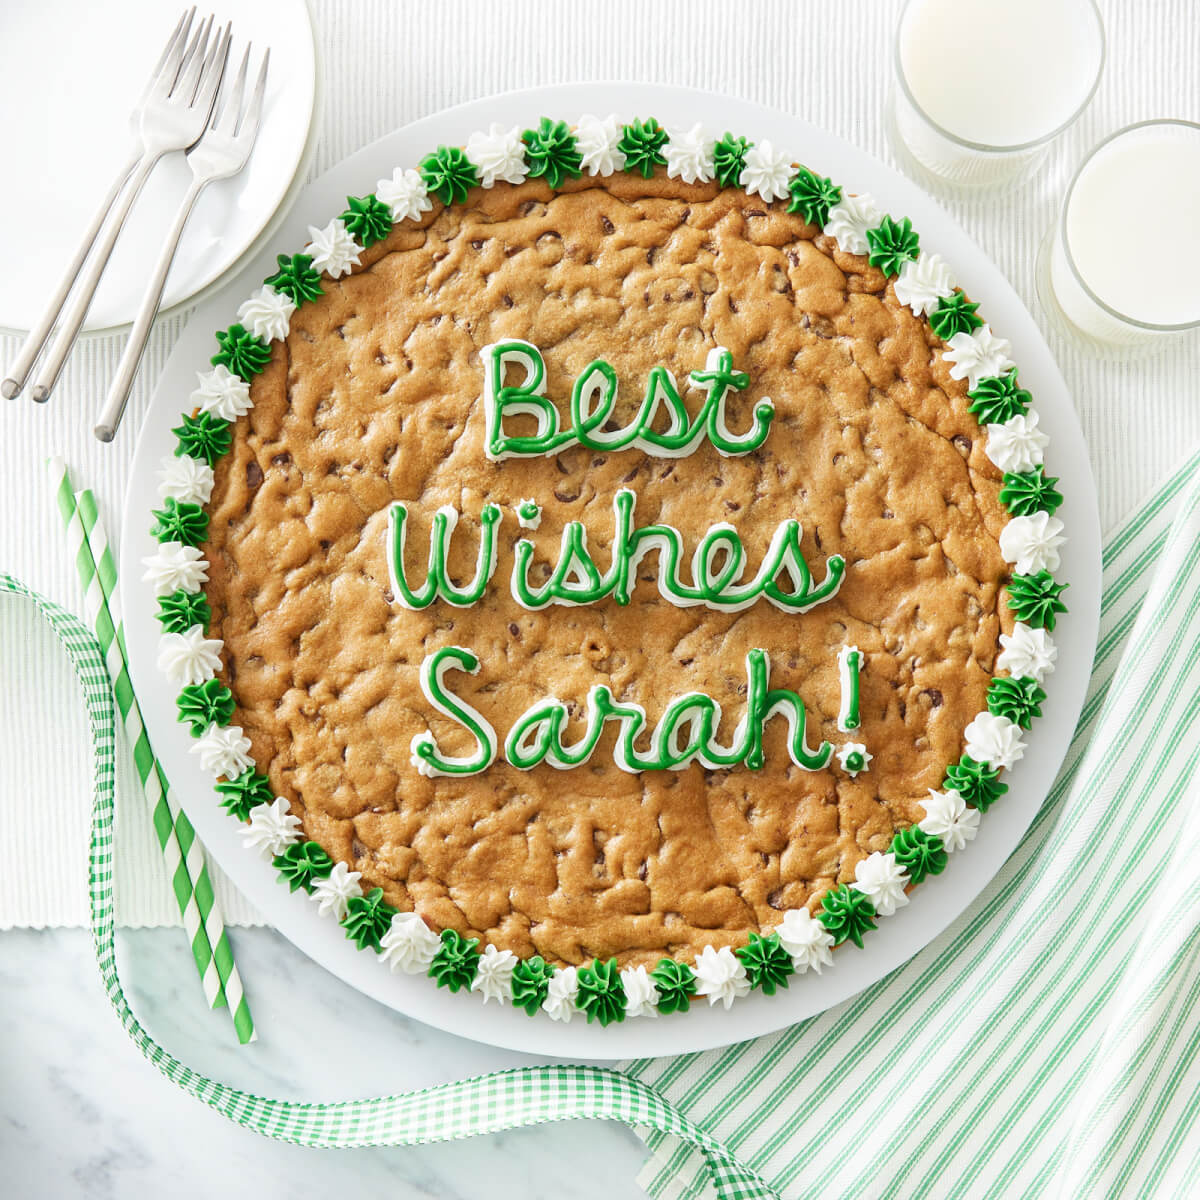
376, 396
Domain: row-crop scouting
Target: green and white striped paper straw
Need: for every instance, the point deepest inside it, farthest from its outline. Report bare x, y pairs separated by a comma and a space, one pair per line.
181, 848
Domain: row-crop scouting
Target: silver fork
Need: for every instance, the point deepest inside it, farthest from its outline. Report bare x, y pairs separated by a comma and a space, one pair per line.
173, 116
168, 63
220, 153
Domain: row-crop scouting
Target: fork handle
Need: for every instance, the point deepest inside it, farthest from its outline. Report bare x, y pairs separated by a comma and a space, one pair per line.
40, 333
81, 301
118, 392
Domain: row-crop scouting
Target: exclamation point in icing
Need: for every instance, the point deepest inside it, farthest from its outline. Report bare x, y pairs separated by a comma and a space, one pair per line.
849, 665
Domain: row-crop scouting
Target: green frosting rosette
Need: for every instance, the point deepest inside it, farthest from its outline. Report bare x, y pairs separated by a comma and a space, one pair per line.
601, 993
551, 152
530, 983
449, 174
642, 143
1030, 491
729, 159
242, 353
920, 854
180, 610
767, 963
367, 218
1019, 700
676, 984
296, 278
250, 789
301, 864
455, 963
847, 914
977, 783
367, 919
1034, 599
997, 399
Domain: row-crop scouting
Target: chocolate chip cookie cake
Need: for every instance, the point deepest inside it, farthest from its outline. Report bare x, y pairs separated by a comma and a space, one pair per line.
607, 568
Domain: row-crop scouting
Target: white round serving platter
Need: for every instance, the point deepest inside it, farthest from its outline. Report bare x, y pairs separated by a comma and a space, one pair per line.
83, 68
937, 901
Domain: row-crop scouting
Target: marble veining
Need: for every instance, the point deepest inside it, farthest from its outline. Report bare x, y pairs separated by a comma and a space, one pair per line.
82, 1114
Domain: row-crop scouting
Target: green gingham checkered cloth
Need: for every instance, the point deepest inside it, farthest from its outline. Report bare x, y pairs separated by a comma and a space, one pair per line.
1048, 1043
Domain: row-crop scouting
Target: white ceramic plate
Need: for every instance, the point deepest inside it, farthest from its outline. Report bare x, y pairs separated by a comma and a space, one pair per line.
74, 71
937, 901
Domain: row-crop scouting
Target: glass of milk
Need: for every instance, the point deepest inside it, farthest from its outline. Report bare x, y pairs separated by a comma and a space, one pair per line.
983, 86
1121, 266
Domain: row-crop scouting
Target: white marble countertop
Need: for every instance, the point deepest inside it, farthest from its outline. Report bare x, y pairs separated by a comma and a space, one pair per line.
82, 1114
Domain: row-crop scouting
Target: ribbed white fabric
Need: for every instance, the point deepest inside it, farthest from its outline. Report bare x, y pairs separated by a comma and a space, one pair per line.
386, 64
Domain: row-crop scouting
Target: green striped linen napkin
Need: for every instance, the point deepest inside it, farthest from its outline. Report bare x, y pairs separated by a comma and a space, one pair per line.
1048, 1043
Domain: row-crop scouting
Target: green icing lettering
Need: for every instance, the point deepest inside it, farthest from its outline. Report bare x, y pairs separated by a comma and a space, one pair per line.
593, 398
850, 661
425, 755
438, 585
686, 732
717, 564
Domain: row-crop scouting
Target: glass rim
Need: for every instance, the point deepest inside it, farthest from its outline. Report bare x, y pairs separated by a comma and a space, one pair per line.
984, 147
1151, 326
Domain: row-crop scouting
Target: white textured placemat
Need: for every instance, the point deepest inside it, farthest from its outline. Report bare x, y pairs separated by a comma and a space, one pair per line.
386, 63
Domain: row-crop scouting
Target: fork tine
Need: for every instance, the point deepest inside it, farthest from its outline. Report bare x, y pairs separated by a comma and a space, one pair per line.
189, 70
212, 81
231, 106
164, 78
248, 125
173, 50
